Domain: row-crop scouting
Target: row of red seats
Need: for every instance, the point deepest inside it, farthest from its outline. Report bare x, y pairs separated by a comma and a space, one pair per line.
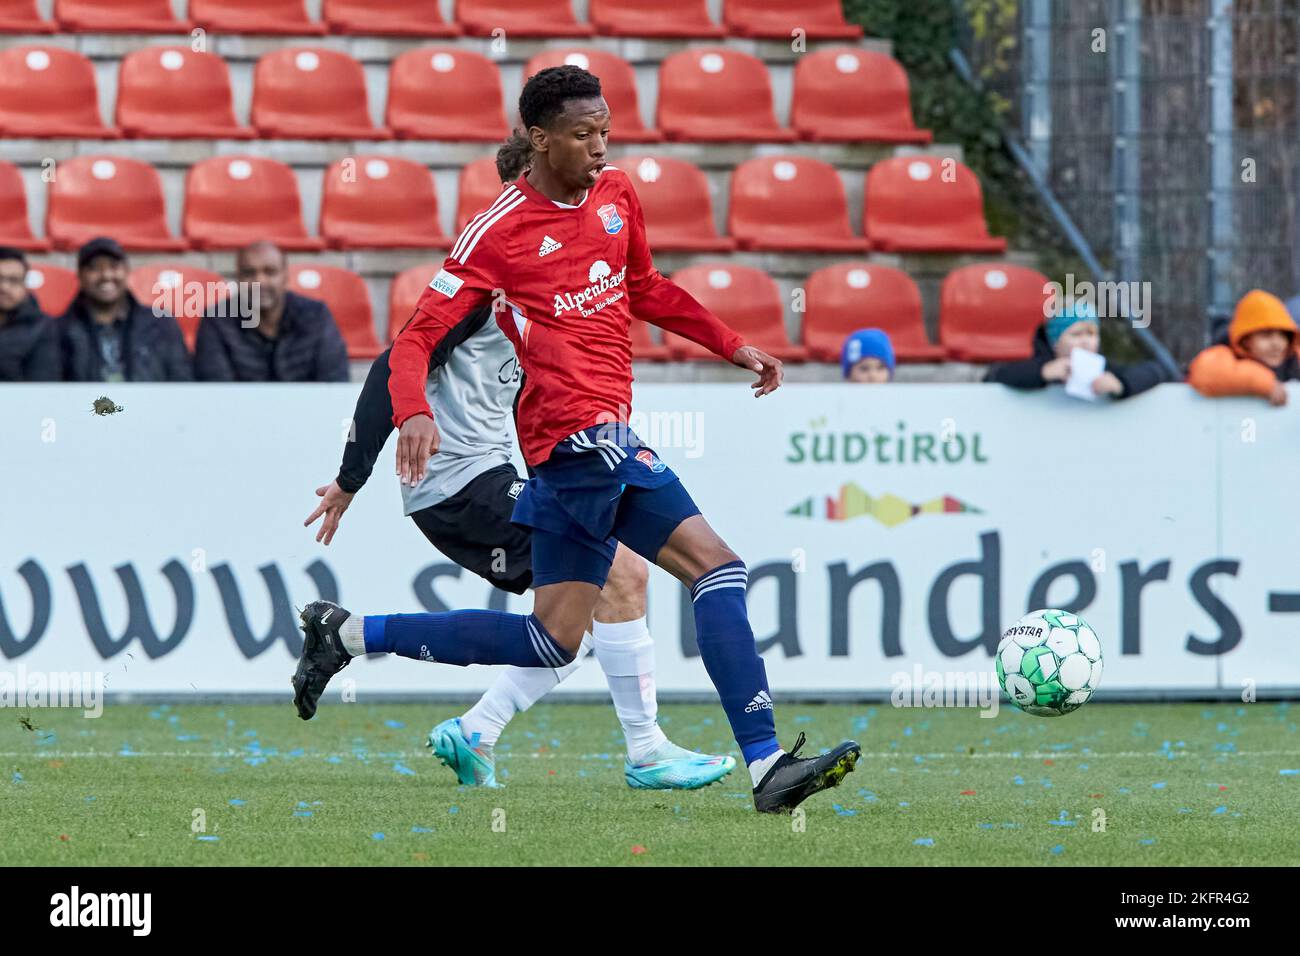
445, 93
987, 312
775, 19
778, 203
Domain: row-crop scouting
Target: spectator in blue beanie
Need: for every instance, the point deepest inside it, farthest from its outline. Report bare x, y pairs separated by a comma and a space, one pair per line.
1075, 326
868, 357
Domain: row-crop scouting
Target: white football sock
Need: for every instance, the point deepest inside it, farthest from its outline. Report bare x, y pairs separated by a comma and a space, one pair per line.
352, 633
759, 768
627, 656
517, 689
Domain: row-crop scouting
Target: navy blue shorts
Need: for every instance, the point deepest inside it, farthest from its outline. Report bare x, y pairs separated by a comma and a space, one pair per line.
600, 486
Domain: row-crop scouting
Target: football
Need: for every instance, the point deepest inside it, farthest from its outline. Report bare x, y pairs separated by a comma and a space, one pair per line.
1049, 662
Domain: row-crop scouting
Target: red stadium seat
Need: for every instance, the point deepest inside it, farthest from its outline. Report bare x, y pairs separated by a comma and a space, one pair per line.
674, 195
778, 19
255, 16
445, 93
402, 18
405, 291
988, 312
521, 18
715, 94
302, 93
15, 224
53, 286
109, 196
21, 16
926, 204
184, 291
787, 202
644, 347
171, 92
47, 91
119, 16
652, 18
846, 95
745, 299
479, 187
617, 83
854, 295
380, 202
231, 201
348, 298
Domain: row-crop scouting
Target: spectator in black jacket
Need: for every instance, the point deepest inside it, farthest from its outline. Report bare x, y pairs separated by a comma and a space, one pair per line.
29, 341
1075, 327
107, 336
289, 338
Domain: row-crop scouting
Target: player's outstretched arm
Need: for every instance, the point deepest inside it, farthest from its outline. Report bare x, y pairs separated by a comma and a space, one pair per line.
770, 371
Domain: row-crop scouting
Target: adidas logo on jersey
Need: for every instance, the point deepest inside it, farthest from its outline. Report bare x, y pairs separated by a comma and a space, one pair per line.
761, 701
548, 246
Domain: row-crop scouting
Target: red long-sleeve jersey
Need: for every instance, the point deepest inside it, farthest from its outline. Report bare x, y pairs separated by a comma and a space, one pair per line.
565, 283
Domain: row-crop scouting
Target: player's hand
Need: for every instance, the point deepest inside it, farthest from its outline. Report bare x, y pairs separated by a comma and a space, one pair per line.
333, 502
1057, 370
1107, 384
417, 441
770, 371
1277, 397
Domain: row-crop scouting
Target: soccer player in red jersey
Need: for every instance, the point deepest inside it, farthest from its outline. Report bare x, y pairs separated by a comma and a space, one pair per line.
562, 256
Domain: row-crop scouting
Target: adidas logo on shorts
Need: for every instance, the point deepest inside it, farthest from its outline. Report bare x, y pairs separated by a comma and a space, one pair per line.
548, 246
761, 701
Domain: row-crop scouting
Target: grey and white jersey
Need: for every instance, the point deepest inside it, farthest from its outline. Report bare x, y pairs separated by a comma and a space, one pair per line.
472, 396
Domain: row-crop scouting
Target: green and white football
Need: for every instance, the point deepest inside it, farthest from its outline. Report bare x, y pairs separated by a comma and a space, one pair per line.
1049, 662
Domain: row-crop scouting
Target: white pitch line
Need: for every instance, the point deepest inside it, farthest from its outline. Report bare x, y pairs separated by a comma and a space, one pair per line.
409, 755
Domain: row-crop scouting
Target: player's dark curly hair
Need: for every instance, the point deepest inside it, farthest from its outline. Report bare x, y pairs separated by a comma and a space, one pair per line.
546, 92
514, 156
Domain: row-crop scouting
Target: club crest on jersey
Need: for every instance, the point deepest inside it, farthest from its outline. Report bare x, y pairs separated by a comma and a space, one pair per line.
608, 214
515, 488
647, 458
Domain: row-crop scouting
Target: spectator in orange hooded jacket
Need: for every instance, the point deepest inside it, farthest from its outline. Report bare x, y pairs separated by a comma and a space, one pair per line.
1258, 356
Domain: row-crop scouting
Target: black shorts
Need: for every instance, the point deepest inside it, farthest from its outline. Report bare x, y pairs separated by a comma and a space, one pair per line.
473, 528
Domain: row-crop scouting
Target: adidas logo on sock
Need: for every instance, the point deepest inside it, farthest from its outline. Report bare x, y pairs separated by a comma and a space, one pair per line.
548, 246
761, 701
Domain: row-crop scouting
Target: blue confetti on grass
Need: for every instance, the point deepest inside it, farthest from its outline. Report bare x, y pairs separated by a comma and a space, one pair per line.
1159, 785
986, 826
1058, 850
209, 839
923, 841
254, 761
376, 836
453, 809
236, 802
803, 719
903, 803
421, 829
17, 777
1147, 841
1289, 773
1218, 810
394, 724
867, 795
843, 811
303, 813
1124, 790
188, 737
334, 758
404, 770
1018, 780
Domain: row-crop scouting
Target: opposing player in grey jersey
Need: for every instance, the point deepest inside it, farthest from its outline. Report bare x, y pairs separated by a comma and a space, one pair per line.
463, 505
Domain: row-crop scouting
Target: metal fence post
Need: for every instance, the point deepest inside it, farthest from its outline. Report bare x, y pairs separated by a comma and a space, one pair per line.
1223, 161
1126, 84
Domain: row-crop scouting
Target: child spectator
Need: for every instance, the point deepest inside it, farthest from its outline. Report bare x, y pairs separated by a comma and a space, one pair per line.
1076, 326
1257, 355
867, 356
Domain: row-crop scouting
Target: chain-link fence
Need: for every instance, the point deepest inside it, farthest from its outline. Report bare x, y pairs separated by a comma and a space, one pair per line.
1168, 130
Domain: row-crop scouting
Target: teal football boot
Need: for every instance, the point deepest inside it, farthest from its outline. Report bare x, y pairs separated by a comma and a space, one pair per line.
672, 767
474, 766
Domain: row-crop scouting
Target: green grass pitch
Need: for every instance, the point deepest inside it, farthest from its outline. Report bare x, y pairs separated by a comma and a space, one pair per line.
1206, 784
